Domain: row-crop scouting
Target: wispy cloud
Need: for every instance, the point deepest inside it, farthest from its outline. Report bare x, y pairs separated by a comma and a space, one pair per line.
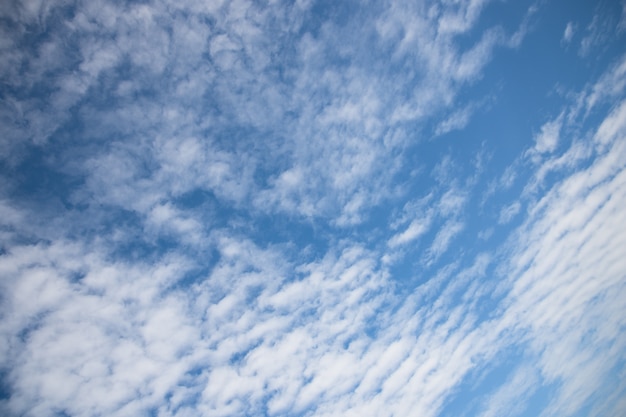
604, 23
509, 212
611, 84
415, 229
508, 400
548, 138
568, 33
443, 239
457, 120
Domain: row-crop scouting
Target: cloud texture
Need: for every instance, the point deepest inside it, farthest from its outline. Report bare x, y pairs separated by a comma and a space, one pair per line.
295, 208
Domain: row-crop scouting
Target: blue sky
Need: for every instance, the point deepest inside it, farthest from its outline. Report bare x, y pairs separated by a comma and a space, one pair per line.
313, 208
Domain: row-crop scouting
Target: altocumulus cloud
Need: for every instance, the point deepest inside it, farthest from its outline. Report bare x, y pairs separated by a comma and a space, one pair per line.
312, 208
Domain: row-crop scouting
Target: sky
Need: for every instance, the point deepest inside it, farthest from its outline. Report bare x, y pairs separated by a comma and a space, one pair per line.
312, 208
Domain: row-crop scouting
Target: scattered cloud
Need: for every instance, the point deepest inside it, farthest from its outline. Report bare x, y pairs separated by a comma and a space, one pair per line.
509, 212
443, 239
511, 398
610, 85
232, 208
602, 28
568, 34
415, 229
456, 121
548, 138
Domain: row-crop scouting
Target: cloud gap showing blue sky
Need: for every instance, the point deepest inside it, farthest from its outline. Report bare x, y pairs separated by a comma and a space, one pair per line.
312, 208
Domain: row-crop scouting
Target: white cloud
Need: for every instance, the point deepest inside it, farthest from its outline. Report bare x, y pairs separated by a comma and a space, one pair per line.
604, 26
512, 397
568, 33
509, 212
459, 17
508, 178
452, 202
608, 87
442, 240
612, 128
456, 121
96, 334
548, 138
566, 279
228, 101
415, 229
338, 144
316, 324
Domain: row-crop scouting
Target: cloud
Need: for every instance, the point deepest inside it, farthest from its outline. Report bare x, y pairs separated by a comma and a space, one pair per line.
612, 127
611, 84
548, 139
509, 212
93, 326
604, 26
560, 302
457, 120
443, 239
201, 199
412, 232
338, 144
459, 17
510, 398
568, 34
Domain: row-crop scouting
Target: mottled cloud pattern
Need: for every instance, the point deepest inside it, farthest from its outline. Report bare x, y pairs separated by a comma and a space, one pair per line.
312, 208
